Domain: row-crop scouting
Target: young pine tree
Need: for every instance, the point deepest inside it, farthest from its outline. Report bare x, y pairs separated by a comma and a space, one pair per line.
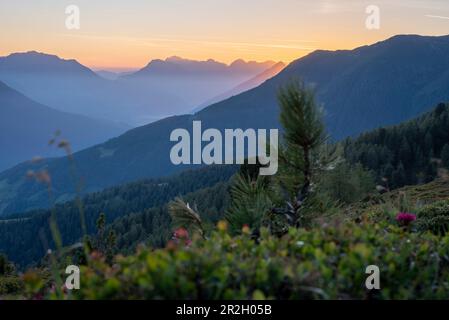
304, 130
304, 152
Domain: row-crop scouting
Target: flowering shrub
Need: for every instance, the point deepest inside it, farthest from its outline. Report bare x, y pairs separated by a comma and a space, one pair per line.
405, 219
323, 263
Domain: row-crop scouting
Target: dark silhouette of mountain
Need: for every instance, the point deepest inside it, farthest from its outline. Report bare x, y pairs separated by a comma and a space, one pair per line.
361, 89
27, 126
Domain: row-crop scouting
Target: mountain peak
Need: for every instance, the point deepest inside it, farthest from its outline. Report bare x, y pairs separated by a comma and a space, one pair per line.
238, 62
34, 61
242, 62
174, 59
408, 39
31, 55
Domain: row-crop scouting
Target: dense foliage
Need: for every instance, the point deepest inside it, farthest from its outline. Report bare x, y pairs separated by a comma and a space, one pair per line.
323, 263
435, 217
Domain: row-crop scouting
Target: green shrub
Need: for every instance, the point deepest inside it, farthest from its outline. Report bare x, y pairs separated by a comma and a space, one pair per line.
435, 217
10, 285
323, 263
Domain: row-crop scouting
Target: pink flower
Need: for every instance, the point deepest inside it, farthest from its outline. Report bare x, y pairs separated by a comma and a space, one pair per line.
405, 218
181, 236
181, 233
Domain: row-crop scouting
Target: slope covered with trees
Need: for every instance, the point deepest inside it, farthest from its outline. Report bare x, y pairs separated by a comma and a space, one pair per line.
24, 237
406, 154
138, 213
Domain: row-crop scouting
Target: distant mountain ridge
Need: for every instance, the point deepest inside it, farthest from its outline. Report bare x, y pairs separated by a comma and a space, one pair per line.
372, 86
36, 62
180, 66
27, 126
64, 85
162, 88
192, 82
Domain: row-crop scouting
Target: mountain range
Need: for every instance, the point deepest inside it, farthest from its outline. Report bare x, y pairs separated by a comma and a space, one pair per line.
26, 127
189, 83
64, 85
162, 88
361, 89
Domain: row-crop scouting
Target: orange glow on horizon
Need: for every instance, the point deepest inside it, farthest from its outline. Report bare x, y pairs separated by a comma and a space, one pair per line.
121, 54
128, 35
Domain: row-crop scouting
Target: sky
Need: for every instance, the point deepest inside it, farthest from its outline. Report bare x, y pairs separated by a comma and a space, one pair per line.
122, 35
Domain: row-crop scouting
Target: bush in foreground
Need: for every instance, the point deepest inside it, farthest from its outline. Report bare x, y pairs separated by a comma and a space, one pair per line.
435, 217
324, 263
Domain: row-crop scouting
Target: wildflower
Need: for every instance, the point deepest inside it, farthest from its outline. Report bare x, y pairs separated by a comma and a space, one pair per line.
246, 229
404, 218
181, 233
222, 225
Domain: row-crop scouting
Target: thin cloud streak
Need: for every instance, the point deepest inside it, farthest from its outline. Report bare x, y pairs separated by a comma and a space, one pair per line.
150, 42
436, 17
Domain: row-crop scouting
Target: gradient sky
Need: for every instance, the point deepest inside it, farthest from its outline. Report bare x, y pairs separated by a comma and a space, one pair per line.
128, 34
